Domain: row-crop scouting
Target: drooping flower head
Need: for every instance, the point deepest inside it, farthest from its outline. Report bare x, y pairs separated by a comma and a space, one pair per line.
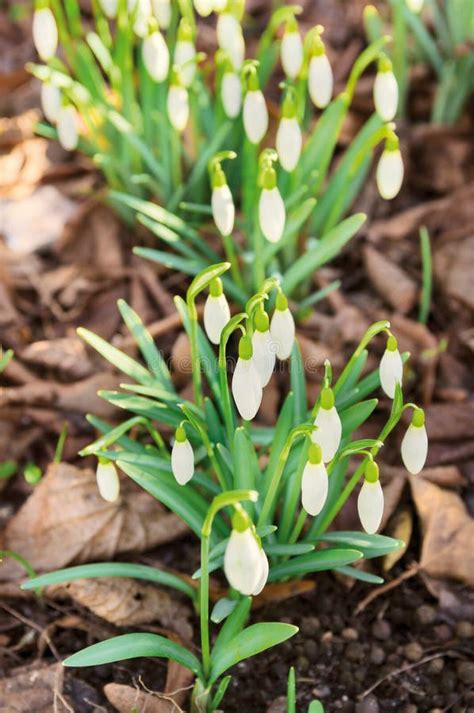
385, 90
327, 433
108, 482
156, 57
289, 139
216, 311
264, 356
391, 367
389, 174
415, 443
223, 210
370, 502
246, 384
255, 113
231, 90
182, 457
185, 53
282, 328
45, 31
177, 103
271, 208
315, 483
320, 77
67, 122
291, 51
245, 567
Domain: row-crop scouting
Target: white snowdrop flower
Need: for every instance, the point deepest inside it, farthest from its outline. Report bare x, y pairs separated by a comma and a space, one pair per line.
264, 356
415, 5
67, 126
243, 563
291, 50
109, 8
204, 7
246, 384
231, 94
264, 569
391, 368
328, 431
315, 482
185, 53
289, 141
45, 33
389, 175
142, 14
162, 12
50, 101
230, 38
216, 311
282, 328
385, 91
222, 203
415, 443
182, 457
156, 57
320, 80
108, 482
220, 5
370, 501
177, 105
271, 208
255, 112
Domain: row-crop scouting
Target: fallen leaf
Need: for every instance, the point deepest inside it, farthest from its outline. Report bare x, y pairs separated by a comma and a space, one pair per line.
65, 521
36, 689
400, 528
448, 532
453, 263
452, 421
391, 282
66, 355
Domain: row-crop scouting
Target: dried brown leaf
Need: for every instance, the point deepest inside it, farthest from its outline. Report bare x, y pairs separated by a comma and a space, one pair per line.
391, 282
35, 689
67, 355
401, 528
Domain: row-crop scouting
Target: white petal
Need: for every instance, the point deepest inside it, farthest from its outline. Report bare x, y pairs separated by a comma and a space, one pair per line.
242, 562
271, 214
263, 573
162, 12
223, 210
216, 316
178, 107
389, 174
314, 488
45, 33
386, 95
109, 7
142, 17
390, 371
220, 5
246, 388
414, 448
156, 56
320, 81
228, 29
255, 116
282, 329
67, 128
291, 54
182, 461
263, 355
415, 5
231, 94
370, 506
204, 7
328, 432
288, 143
50, 101
108, 482
183, 54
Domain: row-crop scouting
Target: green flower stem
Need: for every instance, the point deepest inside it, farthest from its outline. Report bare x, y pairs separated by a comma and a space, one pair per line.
176, 172
195, 361
228, 413
400, 54
373, 330
300, 523
220, 501
369, 55
258, 257
231, 256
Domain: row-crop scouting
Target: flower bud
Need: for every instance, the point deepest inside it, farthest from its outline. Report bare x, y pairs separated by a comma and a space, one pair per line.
315, 483
182, 457
223, 210
385, 91
156, 56
109, 8
50, 101
246, 384
263, 348
216, 312
389, 176
320, 80
231, 94
243, 563
255, 116
108, 482
230, 38
141, 10
289, 141
370, 501
185, 53
177, 106
328, 426
415, 444
391, 368
162, 12
291, 50
271, 209
282, 328
204, 7
415, 5
67, 122
45, 33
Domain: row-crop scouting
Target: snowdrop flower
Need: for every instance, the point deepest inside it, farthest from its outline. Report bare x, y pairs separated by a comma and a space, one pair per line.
156, 57
182, 457
291, 50
328, 426
289, 139
415, 443
282, 328
271, 208
415, 5
220, 5
255, 110
45, 31
320, 77
177, 104
243, 562
246, 384
108, 482
385, 91
231, 93
67, 122
204, 7
223, 210
230, 38
389, 175
216, 311
50, 101
109, 8
315, 483
370, 500
185, 53
141, 11
162, 12
263, 347
391, 368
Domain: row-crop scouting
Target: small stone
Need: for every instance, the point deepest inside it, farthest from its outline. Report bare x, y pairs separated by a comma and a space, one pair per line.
436, 710
464, 630
321, 692
311, 650
354, 652
465, 671
327, 637
443, 632
413, 651
436, 665
409, 708
381, 629
369, 705
310, 626
360, 674
350, 634
425, 615
377, 655
337, 623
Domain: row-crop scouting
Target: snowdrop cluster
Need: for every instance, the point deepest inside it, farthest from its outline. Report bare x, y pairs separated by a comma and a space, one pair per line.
245, 562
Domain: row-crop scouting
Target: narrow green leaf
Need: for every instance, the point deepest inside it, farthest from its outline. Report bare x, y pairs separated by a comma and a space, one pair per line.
117, 358
222, 609
145, 343
205, 278
359, 574
356, 415
235, 622
369, 545
314, 562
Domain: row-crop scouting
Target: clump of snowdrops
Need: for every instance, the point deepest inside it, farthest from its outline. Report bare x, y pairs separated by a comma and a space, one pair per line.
162, 120
260, 499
